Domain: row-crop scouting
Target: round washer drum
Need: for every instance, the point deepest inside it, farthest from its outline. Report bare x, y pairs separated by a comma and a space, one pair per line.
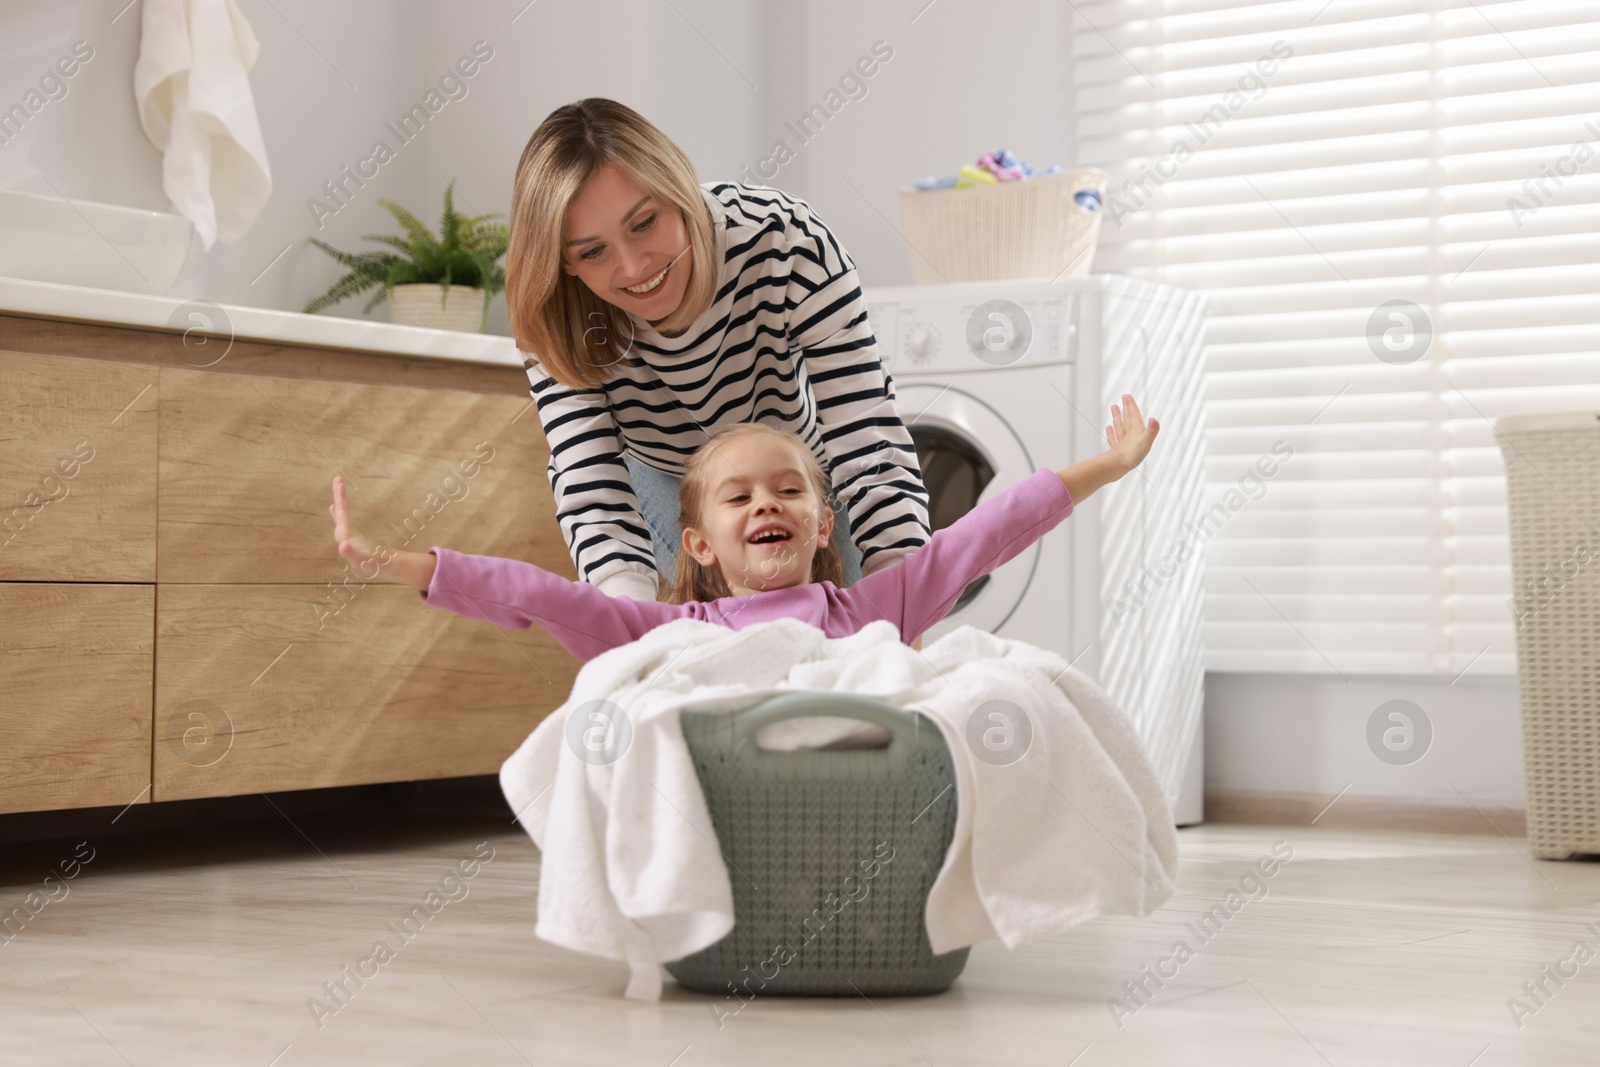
968, 452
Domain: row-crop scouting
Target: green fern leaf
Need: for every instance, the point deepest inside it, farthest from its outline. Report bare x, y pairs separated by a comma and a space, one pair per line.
348, 286
466, 253
354, 260
423, 242
450, 222
389, 239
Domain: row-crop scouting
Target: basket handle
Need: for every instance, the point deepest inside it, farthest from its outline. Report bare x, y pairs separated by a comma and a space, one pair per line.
902, 725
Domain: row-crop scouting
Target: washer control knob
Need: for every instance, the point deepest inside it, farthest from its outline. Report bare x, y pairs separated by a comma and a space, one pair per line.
922, 343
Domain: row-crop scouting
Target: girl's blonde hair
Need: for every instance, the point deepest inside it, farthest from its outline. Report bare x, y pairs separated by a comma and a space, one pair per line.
694, 581
555, 317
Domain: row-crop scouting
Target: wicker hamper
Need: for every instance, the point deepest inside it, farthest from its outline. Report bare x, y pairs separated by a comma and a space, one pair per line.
1034, 228
1553, 492
831, 853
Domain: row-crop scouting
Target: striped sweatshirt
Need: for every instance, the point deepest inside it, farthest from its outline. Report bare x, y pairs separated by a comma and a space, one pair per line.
786, 342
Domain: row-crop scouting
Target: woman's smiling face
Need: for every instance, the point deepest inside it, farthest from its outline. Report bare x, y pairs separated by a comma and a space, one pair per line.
627, 247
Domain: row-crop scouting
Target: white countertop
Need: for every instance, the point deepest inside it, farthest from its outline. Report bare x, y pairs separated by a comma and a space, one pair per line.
114, 308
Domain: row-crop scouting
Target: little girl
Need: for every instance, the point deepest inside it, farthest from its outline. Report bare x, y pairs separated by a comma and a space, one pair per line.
757, 546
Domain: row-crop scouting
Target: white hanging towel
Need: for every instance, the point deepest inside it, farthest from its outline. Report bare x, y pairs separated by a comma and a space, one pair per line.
191, 87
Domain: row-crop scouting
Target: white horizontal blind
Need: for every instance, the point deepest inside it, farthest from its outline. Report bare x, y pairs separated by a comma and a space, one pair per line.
1305, 164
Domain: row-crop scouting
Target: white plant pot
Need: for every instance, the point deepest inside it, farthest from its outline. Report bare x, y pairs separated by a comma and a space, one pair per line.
461, 307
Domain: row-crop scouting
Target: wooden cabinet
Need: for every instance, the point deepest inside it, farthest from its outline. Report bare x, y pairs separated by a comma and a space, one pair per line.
256, 691
76, 674
243, 654
78, 463
247, 464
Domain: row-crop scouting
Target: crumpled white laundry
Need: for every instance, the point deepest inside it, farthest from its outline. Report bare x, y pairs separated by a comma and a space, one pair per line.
1077, 828
193, 93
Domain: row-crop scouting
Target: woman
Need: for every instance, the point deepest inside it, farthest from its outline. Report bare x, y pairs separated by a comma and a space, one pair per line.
651, 310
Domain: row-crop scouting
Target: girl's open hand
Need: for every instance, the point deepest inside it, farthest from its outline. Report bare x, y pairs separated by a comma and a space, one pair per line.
354, 546
372, 559
1129, 435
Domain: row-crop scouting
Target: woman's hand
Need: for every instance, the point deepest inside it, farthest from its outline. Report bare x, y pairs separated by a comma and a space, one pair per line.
373, 559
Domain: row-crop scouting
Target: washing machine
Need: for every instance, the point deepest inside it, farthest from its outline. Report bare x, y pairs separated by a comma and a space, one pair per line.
996, 379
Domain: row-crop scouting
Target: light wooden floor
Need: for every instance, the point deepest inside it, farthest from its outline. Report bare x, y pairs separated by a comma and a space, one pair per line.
1367, 948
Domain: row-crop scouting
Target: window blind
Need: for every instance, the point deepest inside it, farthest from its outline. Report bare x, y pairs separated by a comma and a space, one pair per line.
1393, 207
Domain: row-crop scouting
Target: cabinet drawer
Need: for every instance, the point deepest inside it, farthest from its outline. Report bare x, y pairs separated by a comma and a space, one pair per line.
77, 469
75, 670
264, 687
247, 465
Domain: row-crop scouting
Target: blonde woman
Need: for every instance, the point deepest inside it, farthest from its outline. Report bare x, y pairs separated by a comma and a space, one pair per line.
652, 309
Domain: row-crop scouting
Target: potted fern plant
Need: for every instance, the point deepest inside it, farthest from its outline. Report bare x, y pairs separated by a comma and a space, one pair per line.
443, 282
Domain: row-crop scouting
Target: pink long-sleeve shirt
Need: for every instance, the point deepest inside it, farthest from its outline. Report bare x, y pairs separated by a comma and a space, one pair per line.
914, 594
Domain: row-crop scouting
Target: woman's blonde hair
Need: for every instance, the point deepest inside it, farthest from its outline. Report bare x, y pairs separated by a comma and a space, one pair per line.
555, 317
693, 580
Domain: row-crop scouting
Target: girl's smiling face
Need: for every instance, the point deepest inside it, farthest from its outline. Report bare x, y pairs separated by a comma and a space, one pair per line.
627, 247
762, 518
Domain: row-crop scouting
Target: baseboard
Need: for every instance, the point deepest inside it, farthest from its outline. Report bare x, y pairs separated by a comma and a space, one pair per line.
1258, 808
475, 797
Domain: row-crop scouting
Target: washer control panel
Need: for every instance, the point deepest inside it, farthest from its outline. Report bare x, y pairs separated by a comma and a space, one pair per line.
951, 333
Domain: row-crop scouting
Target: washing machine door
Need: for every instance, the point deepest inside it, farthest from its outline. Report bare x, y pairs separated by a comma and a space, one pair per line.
968, 452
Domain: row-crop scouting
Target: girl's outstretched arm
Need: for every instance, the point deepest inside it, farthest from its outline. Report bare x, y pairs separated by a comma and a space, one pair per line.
370, 558
506, 592
919, 592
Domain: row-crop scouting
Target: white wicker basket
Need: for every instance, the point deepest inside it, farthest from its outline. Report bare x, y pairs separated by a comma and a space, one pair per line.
1553, 495
432, 306
1032, 228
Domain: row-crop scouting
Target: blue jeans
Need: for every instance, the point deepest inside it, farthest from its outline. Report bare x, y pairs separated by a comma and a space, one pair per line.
658, 500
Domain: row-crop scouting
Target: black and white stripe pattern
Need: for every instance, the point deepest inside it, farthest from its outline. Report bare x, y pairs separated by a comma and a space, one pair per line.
786, 341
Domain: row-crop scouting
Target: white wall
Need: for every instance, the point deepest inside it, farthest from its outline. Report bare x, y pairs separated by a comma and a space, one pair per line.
651, 56
330, 76
722, 77
1300, 733
327, 78
965, 77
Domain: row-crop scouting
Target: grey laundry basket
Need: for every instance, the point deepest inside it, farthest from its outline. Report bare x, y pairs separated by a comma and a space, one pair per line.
831, 853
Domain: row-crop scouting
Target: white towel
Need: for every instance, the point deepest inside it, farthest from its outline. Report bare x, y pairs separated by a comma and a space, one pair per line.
1077, 828
191, 87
